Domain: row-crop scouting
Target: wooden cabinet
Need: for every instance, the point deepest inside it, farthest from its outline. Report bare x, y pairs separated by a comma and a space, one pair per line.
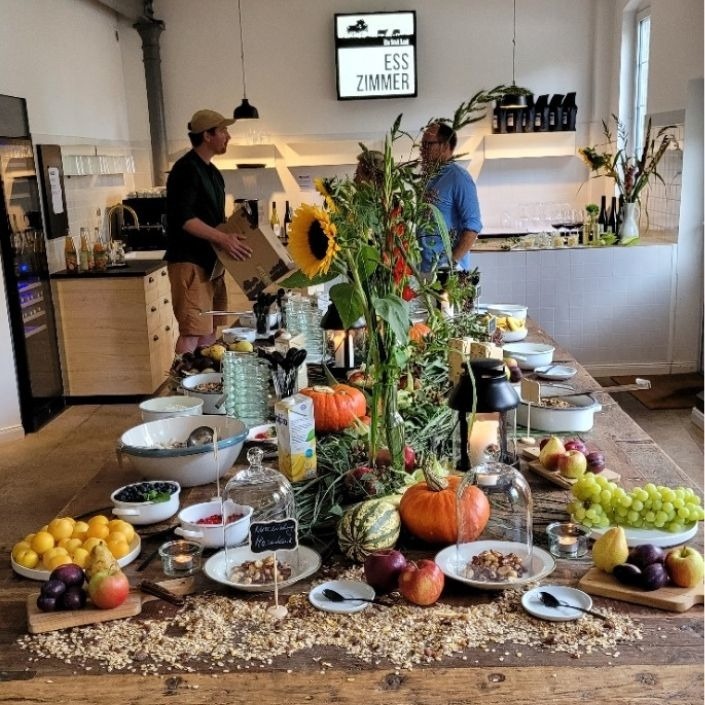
116, 333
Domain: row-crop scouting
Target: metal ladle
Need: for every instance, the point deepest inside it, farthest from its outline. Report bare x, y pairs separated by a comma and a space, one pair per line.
200, 436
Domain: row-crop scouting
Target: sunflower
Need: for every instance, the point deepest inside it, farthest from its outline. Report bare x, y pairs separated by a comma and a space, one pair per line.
312, 240
323, 186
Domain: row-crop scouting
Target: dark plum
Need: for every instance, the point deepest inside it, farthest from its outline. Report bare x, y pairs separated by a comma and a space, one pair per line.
646, 554
654, 576
46, 603
73, 599
628, 574
69, 574
53, 588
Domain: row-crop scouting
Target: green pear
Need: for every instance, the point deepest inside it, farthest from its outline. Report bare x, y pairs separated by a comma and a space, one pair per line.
610, 549
551, 451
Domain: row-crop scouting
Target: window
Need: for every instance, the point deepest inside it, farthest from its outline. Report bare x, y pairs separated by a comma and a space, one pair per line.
641, 77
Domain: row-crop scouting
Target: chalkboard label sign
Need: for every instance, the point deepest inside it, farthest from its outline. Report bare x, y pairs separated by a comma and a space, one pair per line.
273, 535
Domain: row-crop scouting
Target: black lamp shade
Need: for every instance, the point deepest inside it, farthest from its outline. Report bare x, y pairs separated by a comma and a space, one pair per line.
245, 111
494, 392
513, 101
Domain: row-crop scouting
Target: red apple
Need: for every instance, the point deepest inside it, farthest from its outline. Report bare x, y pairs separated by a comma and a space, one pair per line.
382, 569
572, 464
576, 444
685, 566
421, 582
361, 482
108, 588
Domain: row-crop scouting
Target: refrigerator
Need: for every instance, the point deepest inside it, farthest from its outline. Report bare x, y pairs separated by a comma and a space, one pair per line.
26, 272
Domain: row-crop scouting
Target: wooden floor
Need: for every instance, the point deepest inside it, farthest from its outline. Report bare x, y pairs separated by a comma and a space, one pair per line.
41, 472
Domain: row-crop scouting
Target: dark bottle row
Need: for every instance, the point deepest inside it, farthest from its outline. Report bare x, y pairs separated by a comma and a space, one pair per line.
556, 114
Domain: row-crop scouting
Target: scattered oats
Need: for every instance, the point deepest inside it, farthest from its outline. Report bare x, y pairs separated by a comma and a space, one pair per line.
289, 670
501, 658
518, 654
349, 679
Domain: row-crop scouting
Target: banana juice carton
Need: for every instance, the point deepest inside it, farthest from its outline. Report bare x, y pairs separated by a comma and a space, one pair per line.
296, 437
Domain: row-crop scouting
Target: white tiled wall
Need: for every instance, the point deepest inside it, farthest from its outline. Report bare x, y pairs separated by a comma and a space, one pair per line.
610, 307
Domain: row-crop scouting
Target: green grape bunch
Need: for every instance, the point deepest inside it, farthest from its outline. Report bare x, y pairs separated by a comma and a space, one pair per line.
597, 502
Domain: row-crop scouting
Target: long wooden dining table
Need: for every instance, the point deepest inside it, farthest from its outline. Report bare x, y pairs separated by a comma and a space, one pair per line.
664, 664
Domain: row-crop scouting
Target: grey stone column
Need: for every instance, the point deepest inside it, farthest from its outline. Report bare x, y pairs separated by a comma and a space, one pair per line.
149, 30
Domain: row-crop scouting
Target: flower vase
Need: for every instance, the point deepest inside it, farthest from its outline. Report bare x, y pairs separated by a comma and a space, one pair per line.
629, 229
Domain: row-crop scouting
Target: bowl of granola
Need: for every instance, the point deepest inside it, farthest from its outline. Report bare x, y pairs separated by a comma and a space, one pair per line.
207, 386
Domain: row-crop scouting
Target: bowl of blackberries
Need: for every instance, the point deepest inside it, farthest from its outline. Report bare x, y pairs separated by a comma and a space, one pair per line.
146, 502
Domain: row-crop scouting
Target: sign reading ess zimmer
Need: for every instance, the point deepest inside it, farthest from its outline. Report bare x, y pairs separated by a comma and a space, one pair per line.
375, 55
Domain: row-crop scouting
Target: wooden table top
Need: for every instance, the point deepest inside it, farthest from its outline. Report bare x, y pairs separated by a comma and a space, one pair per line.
666, 663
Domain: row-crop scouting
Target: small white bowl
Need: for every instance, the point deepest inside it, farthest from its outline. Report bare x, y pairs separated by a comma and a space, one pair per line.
232, 335
149, 512
210, 399
214, 535
513, 310
166, 407
529, 355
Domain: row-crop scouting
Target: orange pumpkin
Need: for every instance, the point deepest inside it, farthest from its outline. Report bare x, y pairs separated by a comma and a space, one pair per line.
336, 408
419, 332
429, 509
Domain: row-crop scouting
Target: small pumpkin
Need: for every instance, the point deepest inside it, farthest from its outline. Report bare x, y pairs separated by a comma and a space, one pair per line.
418, 332
368, 527
336, 408
429, 509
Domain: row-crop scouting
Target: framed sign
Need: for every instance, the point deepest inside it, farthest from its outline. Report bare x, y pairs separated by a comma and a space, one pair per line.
273, 535
375, 55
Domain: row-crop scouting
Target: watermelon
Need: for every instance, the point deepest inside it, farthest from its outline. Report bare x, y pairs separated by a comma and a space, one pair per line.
368, 527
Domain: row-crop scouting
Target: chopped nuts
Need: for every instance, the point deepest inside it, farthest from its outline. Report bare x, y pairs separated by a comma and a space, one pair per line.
494, 566
259, 572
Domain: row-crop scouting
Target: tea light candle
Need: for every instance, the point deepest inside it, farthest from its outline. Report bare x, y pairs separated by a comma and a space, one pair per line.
484, 433
182, 562
567, 540
568, 544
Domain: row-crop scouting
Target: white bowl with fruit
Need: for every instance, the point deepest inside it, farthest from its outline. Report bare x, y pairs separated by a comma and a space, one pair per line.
147, 502
203, 522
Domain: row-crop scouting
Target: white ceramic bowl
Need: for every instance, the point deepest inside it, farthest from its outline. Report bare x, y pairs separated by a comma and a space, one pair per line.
214, 535
166, 407
529, 355
149, 447
149, 512
513, 310
232, 335
210, 399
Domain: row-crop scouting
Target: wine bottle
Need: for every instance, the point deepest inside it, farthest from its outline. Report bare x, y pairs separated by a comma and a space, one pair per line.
274, 222
70, 255
620, 216
612, 216
83, 252
602, 216
287, 223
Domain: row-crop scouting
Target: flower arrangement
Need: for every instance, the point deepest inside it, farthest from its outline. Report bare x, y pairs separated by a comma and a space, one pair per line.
631, 173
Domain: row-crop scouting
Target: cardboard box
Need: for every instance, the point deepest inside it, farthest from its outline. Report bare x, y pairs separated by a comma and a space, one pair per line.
270, 261
462, 350
296, 437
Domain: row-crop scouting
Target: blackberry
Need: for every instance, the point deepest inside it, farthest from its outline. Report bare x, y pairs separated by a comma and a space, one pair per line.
145, 491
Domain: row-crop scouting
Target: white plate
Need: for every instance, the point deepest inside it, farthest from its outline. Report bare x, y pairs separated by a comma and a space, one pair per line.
36, 574
269, 429
452, 560
555, 372
512, 336
215, 568
656, 537
347, 588
531, 603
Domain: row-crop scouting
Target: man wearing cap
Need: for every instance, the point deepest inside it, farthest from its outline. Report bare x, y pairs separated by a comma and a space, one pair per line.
195, 197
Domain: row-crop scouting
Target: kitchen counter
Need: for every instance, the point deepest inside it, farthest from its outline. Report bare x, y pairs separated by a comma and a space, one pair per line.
132, 268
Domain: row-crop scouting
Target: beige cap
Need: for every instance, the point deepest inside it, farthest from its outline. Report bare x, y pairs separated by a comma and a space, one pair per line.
203, 120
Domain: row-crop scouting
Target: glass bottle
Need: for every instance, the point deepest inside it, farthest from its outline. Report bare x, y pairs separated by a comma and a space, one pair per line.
83, 251
612, 216
70, 254
288, 217
274, 221
100, 253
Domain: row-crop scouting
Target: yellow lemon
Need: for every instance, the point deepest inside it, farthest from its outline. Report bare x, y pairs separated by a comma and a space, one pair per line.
61, 527
42, 542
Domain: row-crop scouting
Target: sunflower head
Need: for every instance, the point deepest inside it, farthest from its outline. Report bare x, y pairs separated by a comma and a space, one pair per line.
312, 240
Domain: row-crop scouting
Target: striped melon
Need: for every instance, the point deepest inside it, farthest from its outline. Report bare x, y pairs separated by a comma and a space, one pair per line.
368, 527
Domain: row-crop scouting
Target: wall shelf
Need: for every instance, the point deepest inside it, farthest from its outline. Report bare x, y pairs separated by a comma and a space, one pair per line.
530, 145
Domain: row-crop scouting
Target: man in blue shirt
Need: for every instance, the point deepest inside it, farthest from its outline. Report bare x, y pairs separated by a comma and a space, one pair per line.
452, 190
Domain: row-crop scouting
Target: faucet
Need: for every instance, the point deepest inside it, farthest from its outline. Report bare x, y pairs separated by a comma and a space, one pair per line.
120, 207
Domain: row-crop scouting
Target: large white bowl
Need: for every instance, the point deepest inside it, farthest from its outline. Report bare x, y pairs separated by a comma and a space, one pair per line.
166, 407
210, 399
149, 447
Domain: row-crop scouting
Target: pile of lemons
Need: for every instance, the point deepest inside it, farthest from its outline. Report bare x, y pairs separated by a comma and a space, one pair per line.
65, 540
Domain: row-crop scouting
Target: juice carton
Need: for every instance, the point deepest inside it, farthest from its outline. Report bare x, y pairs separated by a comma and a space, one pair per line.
296, 437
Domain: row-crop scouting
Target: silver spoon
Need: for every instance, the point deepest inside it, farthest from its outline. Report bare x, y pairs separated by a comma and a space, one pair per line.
200, 436
550, 600
335, 596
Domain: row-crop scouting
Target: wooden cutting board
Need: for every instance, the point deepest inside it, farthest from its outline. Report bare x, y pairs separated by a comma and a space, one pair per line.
674, 599
532, 454
38, 621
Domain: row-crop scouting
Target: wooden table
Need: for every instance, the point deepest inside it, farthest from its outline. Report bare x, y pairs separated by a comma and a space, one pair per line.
667, 665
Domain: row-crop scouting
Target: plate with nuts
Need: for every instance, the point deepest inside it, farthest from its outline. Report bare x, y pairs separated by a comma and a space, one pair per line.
494, 565
246, 570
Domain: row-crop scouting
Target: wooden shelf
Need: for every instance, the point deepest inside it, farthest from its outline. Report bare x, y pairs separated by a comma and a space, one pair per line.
530, 145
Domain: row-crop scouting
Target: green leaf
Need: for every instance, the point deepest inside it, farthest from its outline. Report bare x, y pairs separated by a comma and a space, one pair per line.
298, 280
368, 261
395, 311
347, 300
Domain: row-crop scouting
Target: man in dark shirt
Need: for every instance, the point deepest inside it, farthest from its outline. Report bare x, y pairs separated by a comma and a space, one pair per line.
195, 194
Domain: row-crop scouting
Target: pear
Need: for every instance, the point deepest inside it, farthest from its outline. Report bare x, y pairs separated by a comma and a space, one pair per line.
610, 549
551, 451
100, 559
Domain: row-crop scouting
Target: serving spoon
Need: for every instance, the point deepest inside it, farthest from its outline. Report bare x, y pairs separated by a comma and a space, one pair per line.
335, 596
200, 436
550, 600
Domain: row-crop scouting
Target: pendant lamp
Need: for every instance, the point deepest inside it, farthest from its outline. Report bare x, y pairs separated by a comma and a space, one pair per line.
244, 111
514, 99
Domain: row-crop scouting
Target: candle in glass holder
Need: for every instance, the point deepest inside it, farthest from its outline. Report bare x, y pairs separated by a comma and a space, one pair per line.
567, 540
483, 434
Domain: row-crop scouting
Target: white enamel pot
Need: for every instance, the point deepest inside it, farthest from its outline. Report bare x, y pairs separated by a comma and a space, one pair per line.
579, 417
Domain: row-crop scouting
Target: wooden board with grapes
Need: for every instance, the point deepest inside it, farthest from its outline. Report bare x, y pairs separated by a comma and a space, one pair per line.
655, 514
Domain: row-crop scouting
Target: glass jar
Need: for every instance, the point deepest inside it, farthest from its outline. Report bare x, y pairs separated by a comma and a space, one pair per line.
303, 316
511, 508
246, 379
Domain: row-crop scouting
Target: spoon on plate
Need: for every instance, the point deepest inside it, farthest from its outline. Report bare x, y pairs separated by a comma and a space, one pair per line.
200, 436
550, 600
335, 596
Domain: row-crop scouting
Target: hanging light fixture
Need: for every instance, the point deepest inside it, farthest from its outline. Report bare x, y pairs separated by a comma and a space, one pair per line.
514, 99
244, 111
